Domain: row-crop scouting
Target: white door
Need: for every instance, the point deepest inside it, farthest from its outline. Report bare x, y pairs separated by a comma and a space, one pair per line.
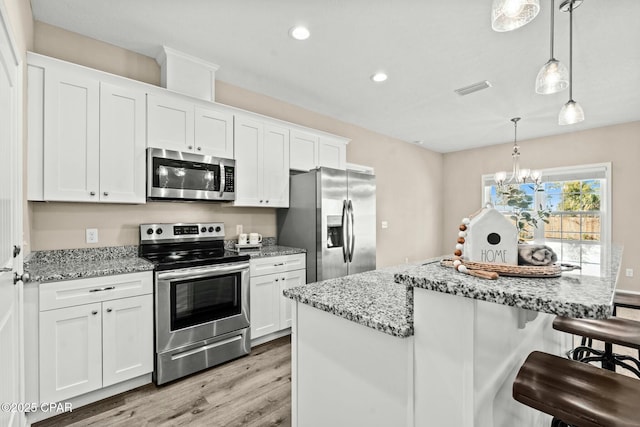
265, 304
70, 352
275, 168
127, 352
169, 123
304, 151
11, 337
122, 144
289, 280
248, 155
213, 133
71, 132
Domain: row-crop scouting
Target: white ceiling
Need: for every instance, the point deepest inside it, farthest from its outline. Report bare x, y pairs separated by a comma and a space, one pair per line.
428, 48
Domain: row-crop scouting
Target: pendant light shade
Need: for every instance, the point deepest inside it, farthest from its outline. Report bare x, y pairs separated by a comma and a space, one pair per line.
508, 15
553, 76
571, 112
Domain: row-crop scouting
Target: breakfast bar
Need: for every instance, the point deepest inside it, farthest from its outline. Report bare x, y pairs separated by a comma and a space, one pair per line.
422, 344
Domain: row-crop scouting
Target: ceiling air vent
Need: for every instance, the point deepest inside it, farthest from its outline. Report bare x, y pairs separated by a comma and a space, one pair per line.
473, 88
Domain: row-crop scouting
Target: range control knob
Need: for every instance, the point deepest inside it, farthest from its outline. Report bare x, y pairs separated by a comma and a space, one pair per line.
218, 229
203, 229
159, 231
149, 231
210, 229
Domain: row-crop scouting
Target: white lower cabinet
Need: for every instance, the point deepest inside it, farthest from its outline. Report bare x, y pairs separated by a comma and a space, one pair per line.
92, 345
270, 310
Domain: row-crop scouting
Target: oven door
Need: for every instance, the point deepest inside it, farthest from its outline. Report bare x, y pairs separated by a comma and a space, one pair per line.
196, 304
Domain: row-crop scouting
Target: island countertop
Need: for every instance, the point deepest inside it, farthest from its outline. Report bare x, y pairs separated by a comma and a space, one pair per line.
371, 299
571, 295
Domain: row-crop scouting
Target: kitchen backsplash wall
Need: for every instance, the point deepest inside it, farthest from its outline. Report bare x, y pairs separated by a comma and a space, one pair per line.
409, 178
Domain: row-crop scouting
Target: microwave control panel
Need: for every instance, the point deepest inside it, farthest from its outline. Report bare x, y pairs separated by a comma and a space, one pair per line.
229, 178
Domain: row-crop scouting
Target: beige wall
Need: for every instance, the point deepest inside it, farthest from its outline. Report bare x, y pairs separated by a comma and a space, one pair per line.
409, 178
619, 144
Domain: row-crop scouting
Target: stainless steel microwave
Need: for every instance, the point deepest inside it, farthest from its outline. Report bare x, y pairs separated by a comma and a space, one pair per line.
174, 175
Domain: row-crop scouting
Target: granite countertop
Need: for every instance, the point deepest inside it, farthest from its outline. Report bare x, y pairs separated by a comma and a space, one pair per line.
371, 299
571, 295
67, 264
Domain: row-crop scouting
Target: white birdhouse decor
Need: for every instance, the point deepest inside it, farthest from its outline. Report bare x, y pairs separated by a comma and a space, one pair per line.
491, 237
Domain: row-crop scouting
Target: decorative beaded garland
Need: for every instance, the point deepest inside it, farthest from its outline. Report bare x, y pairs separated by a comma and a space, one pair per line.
457, 261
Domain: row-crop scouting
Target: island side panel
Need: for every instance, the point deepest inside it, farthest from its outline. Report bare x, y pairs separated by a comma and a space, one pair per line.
467, 353
346, 374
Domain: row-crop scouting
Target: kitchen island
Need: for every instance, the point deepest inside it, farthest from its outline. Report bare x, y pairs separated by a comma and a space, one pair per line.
422, 345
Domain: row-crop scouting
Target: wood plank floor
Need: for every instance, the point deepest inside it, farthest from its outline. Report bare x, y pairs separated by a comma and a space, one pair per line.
251, 391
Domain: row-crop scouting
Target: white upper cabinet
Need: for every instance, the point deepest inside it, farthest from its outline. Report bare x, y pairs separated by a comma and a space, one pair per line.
309, 151
213, 132
71, 136
262, 163
122, 144
181, 125
304, 151
86, 137
332, 153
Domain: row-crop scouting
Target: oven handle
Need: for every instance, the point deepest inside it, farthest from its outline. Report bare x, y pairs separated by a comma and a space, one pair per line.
196, 273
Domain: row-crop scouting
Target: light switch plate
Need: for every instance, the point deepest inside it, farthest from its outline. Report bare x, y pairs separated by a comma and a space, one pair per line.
384, 224
629, 272
239, 229
92, 235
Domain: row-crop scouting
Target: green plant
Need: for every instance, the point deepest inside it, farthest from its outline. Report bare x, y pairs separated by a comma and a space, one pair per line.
523, 213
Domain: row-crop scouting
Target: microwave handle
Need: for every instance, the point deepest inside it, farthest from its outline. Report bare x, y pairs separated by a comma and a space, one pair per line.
222, 179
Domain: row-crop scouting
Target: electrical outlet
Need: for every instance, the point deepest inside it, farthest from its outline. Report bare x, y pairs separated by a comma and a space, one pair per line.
239, 229
629, 272
92, 235
384, 224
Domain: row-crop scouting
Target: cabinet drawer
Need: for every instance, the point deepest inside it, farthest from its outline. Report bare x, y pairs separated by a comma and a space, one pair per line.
277, 264
96, 289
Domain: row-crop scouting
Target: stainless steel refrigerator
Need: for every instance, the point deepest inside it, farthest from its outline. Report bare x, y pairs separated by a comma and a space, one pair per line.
331, 214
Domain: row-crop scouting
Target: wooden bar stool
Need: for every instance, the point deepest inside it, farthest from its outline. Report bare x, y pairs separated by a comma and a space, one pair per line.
614, 330
577, 393
626, 300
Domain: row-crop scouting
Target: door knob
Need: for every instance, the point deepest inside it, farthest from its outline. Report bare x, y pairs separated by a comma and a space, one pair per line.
94, 312
106, 193
25, 277
92, 193
16, 250
109, 310
199, 148
190, 147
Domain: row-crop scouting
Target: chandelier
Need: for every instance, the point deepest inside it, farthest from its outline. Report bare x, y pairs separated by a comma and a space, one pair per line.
518, 175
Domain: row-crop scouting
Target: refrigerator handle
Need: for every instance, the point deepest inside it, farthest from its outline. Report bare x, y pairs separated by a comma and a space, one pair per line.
345, 231
352, 237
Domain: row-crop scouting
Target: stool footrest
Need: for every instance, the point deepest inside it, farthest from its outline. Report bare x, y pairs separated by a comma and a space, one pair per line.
577, 393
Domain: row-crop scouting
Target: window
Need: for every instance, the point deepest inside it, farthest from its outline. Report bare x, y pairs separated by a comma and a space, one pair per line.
577, 200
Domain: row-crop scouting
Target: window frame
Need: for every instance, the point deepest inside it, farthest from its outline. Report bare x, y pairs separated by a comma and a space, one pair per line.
600, 171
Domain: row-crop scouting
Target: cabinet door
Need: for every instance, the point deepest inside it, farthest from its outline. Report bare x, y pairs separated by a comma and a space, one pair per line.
265, 304
248, 156
332, 153
169, 123
127, 331
304, 151
276, 166
71, 136
122, 145
70, 352
289, 279
213, 133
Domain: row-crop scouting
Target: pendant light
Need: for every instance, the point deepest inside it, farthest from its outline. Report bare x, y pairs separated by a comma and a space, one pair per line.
507, 15
553, 76
571, 112
518, 175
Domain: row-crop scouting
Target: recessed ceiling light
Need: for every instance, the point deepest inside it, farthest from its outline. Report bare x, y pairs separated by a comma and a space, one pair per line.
299, 32
379, 77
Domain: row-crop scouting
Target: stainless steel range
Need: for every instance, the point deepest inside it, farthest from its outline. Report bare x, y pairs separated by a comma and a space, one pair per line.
201, 298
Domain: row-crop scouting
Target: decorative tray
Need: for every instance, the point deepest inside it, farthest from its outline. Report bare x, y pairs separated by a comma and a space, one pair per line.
531, 271
247, 246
